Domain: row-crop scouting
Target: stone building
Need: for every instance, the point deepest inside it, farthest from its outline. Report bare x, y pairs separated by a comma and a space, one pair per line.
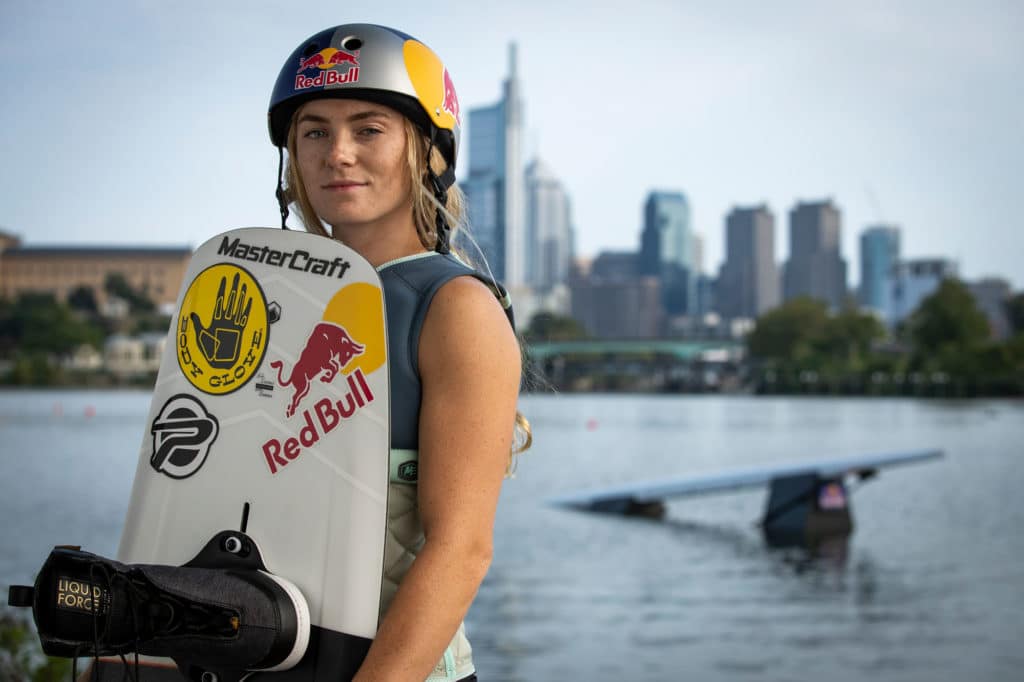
156, 271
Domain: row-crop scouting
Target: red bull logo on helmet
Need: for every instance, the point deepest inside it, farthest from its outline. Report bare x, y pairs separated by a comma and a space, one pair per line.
329, 61
451, 100
434, 86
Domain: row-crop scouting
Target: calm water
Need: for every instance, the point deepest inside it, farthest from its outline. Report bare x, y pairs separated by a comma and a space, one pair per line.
930, 586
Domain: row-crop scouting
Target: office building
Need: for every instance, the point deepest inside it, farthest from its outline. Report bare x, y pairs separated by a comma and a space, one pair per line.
667, 250
611, 301
879, 253
912, 281
748, 282
815, 268
548, 229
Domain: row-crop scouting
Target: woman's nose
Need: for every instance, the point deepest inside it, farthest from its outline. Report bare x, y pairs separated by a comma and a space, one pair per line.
341, 151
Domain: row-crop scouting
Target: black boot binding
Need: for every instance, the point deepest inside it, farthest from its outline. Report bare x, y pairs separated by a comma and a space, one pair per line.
221, 614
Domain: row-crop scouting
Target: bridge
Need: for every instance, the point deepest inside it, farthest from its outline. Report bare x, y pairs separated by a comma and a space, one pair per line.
680, 365
683, 350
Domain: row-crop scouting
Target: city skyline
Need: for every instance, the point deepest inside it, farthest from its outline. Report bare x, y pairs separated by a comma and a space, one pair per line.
146, 124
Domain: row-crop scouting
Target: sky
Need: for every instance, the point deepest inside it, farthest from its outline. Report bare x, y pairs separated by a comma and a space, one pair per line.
145, 122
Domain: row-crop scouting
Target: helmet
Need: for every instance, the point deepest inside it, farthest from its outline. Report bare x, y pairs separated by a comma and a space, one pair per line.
373, 63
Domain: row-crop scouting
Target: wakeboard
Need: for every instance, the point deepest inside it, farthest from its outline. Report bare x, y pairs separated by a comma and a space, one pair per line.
270, 416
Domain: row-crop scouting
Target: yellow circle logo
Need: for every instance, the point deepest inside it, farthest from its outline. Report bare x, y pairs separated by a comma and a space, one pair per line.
222, 329
359, 309
433, 84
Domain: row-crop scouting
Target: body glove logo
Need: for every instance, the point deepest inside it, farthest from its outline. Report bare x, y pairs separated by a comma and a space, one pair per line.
182, 435
222, 329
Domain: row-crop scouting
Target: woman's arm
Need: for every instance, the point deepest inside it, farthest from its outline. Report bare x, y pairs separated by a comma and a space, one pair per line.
469, 365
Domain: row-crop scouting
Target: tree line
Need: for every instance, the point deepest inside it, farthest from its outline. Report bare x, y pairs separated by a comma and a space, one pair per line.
38, 332
945, 348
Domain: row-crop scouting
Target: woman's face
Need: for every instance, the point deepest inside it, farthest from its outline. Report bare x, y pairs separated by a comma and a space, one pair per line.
352, 159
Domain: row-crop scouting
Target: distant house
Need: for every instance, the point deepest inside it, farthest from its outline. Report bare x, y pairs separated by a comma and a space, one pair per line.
132, 356
85, 357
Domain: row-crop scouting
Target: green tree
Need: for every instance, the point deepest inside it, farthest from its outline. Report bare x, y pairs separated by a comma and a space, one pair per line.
138, 301
547, 326
845, 341
36, 323
21, 657
1015, 312
788, 333
83, 299
1015, 351
948, 321
33, 368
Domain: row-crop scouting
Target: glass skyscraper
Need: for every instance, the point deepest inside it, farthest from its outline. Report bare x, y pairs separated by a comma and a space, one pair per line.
667, 250
494, 187
879, 254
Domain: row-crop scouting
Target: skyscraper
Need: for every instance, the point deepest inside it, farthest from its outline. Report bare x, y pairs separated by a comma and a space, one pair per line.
991, 295
548, 229
912, 281
748, 283
494, 188
815, 267
879, 254
666, 250
611, 301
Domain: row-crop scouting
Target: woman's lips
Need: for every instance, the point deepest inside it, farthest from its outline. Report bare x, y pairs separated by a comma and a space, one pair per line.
343, 186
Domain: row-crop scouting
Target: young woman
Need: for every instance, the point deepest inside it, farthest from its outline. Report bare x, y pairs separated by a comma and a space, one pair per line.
370, 121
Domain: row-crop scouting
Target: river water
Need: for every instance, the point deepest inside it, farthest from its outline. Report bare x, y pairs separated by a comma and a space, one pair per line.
929, 587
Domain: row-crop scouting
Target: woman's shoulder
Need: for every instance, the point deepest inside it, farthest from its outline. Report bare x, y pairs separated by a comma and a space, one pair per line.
465, 317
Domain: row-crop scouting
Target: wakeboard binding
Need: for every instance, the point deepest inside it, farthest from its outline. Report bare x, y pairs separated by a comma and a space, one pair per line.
220, 616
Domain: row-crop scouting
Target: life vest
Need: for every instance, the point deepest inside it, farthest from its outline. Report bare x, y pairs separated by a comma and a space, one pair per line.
409, 287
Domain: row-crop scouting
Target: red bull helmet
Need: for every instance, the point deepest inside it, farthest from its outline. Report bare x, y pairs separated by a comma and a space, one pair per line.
374, 63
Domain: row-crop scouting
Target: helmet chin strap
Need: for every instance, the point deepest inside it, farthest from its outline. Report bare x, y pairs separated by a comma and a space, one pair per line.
282, 201
440, 184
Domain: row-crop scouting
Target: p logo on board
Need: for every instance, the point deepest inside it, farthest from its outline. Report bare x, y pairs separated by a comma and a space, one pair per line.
183, 432
222, 329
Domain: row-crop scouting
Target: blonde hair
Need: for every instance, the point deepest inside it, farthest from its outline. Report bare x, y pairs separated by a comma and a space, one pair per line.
424, 211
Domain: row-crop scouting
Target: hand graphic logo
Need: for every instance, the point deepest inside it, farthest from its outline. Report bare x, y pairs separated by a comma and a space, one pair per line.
221, 340
222, 330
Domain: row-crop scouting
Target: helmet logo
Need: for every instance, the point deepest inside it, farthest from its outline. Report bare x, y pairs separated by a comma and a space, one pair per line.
328, 60
451, 100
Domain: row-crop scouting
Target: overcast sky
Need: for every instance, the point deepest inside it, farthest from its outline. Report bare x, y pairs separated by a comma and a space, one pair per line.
145, 122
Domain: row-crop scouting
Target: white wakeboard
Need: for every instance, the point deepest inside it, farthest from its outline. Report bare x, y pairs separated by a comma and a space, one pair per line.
272, 403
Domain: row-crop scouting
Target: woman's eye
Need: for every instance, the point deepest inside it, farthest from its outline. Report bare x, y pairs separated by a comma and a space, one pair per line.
315, 133
370, 132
